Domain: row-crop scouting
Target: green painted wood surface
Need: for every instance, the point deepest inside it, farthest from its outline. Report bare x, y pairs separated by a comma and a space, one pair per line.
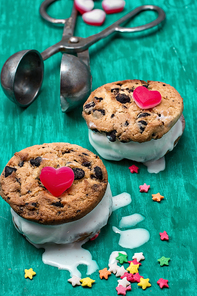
168, 55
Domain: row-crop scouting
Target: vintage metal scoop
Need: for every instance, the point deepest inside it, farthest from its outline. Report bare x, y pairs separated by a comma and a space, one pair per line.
22, 73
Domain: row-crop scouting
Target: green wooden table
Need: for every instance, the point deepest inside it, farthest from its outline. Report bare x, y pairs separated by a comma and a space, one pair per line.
167, 55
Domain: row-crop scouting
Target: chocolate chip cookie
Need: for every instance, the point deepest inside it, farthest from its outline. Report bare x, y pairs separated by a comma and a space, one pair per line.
111, 110
20, 184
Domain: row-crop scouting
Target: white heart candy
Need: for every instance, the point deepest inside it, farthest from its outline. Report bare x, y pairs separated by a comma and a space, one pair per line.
95, 17
84, 5
113, 6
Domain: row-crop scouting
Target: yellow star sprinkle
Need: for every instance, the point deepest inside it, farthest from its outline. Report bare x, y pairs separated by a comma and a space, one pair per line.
29, 273
157, 197
87, 282
144, 283
133, 268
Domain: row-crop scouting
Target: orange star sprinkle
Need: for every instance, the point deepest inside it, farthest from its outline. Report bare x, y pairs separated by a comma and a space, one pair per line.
157, 197
104, 273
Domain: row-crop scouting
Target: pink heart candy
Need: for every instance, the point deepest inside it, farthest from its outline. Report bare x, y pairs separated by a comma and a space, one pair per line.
113, 6
58, 180
146, 99
96, 17
84, 5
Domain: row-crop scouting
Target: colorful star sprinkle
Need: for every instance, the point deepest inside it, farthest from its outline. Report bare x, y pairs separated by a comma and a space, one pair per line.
138, 256
134, 261
163, 283
164, 236
104, 273
163, 261
122, 290
133, 169
133, 268
87, 282
144, 188
144, 283
123, 282
121, 270
122, 258
75, 281
29, 273
157, 197
113, 268
128, 276
137, 277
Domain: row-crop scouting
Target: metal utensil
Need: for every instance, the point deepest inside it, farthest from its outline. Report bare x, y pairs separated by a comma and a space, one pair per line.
22, 73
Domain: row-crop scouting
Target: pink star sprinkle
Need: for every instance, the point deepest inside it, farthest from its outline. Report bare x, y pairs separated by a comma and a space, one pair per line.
162, 283
133, 169
164, 236
122, 290
137, 277
128, 275
135, 262
144, 188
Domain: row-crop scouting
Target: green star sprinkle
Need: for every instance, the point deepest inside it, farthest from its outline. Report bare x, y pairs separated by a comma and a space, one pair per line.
163, 261
122, 258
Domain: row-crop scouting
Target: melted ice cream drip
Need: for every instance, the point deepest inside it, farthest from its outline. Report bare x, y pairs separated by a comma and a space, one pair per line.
69, 257
130, 221
121, 200
132, 238
146, 152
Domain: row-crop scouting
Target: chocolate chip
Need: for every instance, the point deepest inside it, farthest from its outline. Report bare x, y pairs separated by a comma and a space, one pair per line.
79, 173
122, 98
86, 164
112, 115
9, 170
100, 110
119, 84
88, 107
142, 125
145, 85
84, 153
35, 204
115, 91
126, 123
66, 151
98, 99
142, 129
58, 204
143, 115
36, 161
98, 173
164, 85
131, 89
111, 136
21, 163
78, 211
142, 122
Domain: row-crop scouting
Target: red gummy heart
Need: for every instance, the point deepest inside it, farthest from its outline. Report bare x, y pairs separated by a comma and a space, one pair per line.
113, 6
57, 181
146, 99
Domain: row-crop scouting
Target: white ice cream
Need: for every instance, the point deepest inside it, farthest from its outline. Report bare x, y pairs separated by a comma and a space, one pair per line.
68, 232
140, 152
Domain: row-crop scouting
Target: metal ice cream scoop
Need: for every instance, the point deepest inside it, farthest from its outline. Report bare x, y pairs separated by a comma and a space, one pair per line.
22, 74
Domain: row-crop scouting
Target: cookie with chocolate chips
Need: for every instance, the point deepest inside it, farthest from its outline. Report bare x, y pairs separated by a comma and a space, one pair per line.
111, 110
20, 184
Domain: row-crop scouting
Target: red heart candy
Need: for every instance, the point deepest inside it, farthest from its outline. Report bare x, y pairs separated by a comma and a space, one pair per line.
96, 17
113, 6
146, 99
84, 5
57, 181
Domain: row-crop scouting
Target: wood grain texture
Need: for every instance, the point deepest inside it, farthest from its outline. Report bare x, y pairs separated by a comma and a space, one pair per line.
169, 55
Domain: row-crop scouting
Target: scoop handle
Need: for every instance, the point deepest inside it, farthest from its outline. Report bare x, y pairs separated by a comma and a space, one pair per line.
115, 27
